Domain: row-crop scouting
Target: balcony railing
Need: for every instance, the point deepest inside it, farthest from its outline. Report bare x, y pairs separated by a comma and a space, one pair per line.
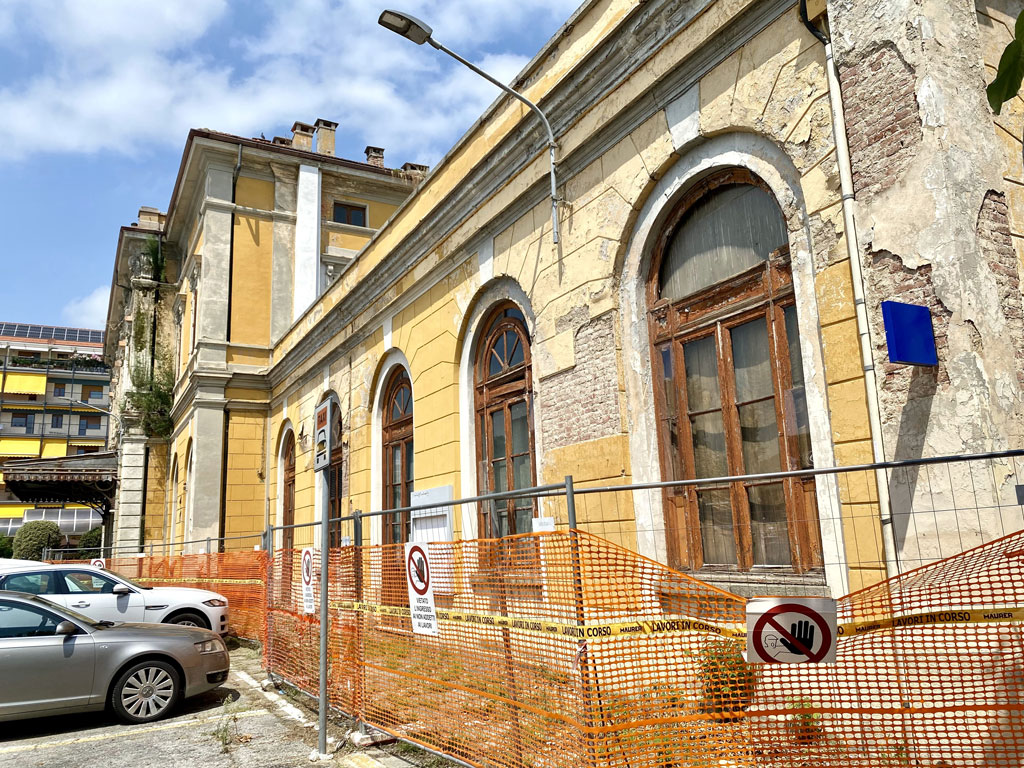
86, 365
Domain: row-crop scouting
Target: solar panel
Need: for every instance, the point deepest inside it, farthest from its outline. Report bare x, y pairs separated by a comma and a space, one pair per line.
45, 332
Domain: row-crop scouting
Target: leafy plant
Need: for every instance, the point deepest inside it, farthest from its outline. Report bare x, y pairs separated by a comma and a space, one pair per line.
727, 682
6, 546
154, 258
35, 536
1010, 71
804, 726
152, 399
90, 542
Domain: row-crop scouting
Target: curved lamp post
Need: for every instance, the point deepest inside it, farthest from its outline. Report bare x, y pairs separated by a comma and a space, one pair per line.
413, 29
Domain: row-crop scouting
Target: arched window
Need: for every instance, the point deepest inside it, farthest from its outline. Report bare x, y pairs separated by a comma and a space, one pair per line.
337, 476
288, 491
729, 381
172, 527
398, 455
504, 416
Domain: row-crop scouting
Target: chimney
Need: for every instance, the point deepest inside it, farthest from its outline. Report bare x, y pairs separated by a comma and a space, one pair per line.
302, 136
150, 218
375, 156
282, 141
325, 136
416, 169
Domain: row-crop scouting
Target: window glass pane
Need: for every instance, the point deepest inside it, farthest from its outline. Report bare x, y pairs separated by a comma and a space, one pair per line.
750, 359
734, 228
709, 445
497, 356
500, 483
796, 405
26, 621
515, 348
84, 581
520, 428
524, 519
701, 361
716, 532
498, 434
32, 583
521, 472
396, 464
759, 437
409, 475
357, 216
768, 528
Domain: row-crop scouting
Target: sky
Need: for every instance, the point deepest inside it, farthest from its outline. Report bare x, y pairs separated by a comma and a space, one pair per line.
97, 98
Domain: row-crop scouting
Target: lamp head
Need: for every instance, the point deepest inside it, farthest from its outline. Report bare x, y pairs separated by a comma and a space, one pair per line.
405, 25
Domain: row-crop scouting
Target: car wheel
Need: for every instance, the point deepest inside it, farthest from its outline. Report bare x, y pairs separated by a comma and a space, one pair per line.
188, 620
146, 691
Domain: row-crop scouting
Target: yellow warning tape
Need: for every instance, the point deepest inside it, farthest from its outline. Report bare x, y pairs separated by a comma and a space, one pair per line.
974, 616
198, 581
673, 625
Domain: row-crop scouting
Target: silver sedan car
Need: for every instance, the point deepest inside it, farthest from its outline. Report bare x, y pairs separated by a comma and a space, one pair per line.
55, 661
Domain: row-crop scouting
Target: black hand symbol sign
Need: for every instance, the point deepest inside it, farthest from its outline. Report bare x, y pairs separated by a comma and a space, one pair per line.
803, 634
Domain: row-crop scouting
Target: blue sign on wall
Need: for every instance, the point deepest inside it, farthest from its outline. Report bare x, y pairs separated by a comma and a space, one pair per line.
908, 333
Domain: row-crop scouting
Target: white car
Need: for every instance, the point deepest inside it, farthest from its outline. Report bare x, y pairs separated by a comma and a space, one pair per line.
105, 596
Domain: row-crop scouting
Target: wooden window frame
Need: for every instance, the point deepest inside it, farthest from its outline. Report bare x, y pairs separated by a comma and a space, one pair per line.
349, 208
337, 476
396, 433
500, 392
765, 290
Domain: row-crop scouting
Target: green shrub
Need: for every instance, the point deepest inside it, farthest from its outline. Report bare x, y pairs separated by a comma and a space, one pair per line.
90, 542
6, 546
35, 536
727, 682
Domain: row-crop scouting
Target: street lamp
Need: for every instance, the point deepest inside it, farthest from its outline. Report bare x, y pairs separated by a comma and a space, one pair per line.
413, 29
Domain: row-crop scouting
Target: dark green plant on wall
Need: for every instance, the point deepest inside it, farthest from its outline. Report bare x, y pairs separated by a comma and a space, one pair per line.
154, 257
152, 398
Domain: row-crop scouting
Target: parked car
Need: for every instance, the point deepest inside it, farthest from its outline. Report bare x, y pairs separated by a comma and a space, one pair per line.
104, 595
57, 661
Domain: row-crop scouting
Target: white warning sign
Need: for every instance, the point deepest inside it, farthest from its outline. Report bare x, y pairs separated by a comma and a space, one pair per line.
791, 630
308, 598
98, 562
421, 590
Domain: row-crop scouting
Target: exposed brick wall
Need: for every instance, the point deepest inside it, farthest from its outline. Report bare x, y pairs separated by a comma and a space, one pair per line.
889, 278
583, 403
882, 120
996, 246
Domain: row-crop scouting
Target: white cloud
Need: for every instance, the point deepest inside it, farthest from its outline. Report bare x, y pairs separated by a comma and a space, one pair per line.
89, 311
127, 75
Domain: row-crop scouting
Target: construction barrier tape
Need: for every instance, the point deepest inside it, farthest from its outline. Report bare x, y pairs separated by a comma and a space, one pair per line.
671, 625
197, 581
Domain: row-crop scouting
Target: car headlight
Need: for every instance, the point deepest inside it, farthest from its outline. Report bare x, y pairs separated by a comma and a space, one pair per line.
214, 645
216, 603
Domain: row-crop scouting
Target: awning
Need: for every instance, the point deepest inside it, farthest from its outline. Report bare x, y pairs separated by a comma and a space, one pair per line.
19, 446
53, 449
86, 442
16, 511
21, 407
25, 383
90, 479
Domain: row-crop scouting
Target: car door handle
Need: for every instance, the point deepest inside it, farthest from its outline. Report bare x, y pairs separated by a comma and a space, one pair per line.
80, 605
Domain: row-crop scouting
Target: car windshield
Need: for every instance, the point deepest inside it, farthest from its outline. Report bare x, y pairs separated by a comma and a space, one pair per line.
68, 612
127, 580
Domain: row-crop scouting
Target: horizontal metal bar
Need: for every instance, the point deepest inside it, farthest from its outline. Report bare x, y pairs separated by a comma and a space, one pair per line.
309, 525
516, 494
797, 473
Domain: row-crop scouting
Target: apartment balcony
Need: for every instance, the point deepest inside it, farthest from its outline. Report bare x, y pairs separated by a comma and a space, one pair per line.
84, 366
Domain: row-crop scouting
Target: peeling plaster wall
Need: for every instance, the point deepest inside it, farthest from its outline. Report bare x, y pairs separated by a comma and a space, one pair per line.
931, 195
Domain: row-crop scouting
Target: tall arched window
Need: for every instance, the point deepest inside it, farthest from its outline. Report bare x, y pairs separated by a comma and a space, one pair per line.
398, 455
729, 381
288, 491
504, 416
337, 476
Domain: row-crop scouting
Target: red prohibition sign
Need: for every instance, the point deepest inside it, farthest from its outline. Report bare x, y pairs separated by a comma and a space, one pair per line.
768, 619
413, 569
307, 567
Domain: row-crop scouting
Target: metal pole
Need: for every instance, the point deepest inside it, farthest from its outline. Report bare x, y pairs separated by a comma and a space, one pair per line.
357, 538
325, 557
570, 502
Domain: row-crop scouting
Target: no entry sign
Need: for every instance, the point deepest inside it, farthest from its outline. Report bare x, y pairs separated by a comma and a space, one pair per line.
791, 630
308, 598
98, 562
421, 590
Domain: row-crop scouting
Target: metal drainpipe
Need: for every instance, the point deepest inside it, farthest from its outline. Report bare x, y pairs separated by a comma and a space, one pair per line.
835, 98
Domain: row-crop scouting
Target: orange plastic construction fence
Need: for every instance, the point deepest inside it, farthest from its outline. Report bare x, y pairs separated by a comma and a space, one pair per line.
241, 577
562, 649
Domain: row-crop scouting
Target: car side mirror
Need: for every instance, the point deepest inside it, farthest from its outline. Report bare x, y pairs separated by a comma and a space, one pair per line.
122, 589
66, 628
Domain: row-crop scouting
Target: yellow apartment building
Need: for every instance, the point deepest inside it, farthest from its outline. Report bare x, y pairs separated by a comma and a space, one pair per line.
54, 399
707, 310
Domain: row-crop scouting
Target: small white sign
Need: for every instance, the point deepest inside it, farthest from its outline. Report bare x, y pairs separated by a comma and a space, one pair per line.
322, 441
433, 523
421, 590
791, 630
308, 598
543, 524
99, 562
